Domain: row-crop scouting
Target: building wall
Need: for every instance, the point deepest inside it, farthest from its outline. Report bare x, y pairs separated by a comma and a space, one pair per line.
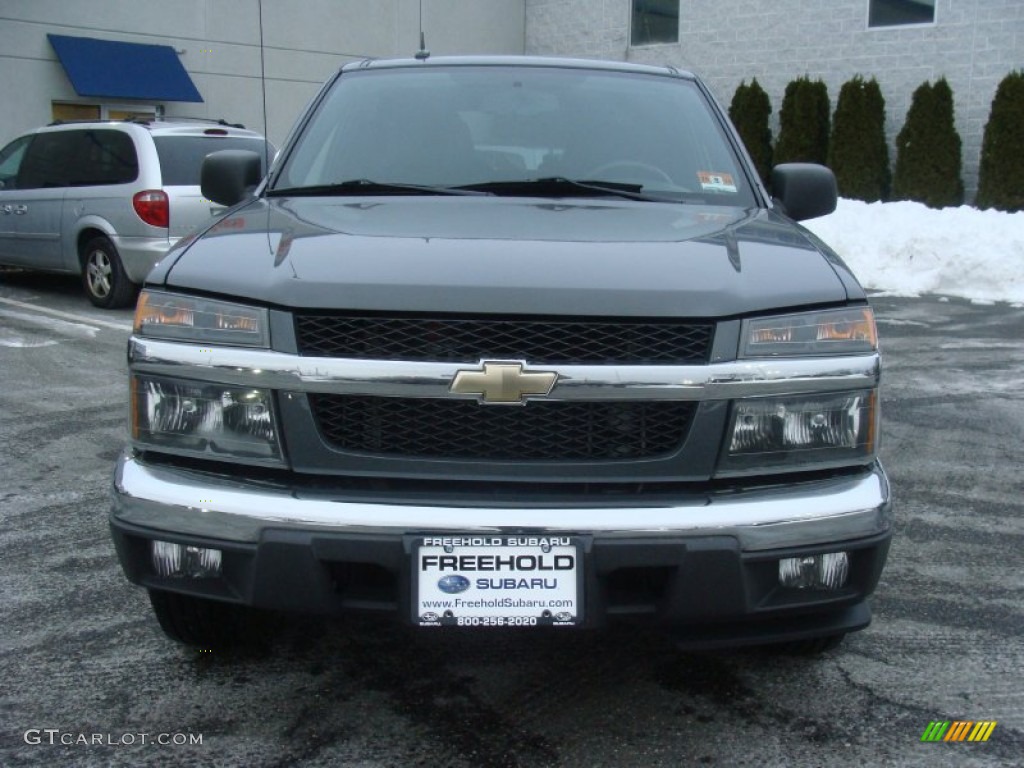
973, 43
305, 41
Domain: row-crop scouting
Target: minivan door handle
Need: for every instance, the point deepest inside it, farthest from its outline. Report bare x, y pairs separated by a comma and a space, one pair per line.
19, 209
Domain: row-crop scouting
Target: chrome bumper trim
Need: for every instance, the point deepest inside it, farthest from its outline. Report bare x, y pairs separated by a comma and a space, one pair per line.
396, 378
184, 503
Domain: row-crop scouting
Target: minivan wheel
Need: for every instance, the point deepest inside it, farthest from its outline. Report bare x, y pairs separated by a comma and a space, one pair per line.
103, 276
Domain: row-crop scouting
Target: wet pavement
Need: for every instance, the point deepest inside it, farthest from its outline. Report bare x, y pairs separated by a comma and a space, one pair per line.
89, 680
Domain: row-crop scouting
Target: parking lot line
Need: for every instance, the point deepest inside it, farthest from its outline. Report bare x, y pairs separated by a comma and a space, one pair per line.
68, 315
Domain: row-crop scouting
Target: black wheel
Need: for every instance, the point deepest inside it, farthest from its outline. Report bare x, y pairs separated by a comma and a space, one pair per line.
200, 622
105, 281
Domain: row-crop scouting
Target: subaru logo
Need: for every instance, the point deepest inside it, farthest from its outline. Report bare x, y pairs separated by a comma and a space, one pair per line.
453, 584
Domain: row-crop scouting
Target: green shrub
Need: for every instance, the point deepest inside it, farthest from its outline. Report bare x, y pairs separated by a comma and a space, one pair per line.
858, 154
928, 150
803, 123
750, 112
1001, 174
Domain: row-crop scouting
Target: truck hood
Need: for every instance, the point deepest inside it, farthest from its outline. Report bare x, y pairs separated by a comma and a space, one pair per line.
509, 255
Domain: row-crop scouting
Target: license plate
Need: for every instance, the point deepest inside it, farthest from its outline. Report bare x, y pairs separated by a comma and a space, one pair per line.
497, 581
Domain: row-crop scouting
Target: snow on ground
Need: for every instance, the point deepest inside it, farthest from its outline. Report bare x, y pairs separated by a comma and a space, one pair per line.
908, 249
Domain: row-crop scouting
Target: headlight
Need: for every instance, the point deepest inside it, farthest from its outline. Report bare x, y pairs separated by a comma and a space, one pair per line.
805, 432
190, 318
828, 332
209, 420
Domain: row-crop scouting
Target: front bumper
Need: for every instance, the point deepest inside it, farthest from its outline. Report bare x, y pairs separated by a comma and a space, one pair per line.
704, 564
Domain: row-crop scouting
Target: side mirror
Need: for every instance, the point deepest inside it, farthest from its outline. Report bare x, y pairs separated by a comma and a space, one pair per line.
228, 177
805, 190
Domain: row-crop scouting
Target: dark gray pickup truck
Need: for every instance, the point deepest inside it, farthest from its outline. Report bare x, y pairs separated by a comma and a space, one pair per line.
507, 342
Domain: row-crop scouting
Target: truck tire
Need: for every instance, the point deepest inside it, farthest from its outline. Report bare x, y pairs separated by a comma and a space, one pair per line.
103, 276
200, 622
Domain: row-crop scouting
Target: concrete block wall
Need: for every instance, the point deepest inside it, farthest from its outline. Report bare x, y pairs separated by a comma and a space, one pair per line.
305, 41
973, 43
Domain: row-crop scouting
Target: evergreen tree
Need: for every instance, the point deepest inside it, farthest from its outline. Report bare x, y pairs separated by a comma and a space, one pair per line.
858, 154
1001, 174
928, 150
750, 112
803, 123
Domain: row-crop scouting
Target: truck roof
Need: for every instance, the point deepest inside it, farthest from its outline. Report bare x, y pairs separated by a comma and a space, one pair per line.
519, 61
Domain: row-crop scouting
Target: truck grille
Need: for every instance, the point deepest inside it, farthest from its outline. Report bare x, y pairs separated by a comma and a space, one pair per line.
470, 340
538, 431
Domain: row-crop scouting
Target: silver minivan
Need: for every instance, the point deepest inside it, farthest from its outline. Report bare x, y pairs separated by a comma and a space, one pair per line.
107, 199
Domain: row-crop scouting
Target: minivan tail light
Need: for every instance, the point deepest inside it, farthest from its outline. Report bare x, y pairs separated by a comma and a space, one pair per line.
152, 207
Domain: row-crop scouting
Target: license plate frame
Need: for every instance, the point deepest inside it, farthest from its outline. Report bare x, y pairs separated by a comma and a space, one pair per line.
518, 580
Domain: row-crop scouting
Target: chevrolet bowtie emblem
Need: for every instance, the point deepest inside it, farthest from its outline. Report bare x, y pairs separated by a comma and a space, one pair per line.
504, 383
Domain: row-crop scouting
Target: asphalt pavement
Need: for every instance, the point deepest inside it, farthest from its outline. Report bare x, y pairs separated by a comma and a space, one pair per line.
87, 678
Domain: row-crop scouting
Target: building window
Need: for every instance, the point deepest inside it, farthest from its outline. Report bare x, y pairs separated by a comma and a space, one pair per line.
65, 112
654, 21
898, 13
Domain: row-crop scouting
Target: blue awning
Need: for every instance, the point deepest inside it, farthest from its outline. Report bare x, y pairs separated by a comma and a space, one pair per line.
112, 69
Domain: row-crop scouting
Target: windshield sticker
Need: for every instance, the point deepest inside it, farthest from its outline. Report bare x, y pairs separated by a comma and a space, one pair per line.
716, 182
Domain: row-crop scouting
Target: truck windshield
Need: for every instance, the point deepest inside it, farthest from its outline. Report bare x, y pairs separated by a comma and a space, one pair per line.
493, 128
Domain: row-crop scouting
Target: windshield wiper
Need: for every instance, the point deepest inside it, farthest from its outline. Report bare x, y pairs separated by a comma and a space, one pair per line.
369, 187
559, 186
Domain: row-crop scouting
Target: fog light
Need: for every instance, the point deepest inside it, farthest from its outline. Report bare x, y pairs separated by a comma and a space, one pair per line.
171, 559
828, 571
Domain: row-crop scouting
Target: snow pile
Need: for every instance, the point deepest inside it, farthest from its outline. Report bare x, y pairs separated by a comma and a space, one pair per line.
907, 249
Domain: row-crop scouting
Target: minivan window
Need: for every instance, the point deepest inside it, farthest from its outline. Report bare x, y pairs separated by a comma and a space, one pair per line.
10, 161
46, 161
79, 158
181, 157
103, 157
